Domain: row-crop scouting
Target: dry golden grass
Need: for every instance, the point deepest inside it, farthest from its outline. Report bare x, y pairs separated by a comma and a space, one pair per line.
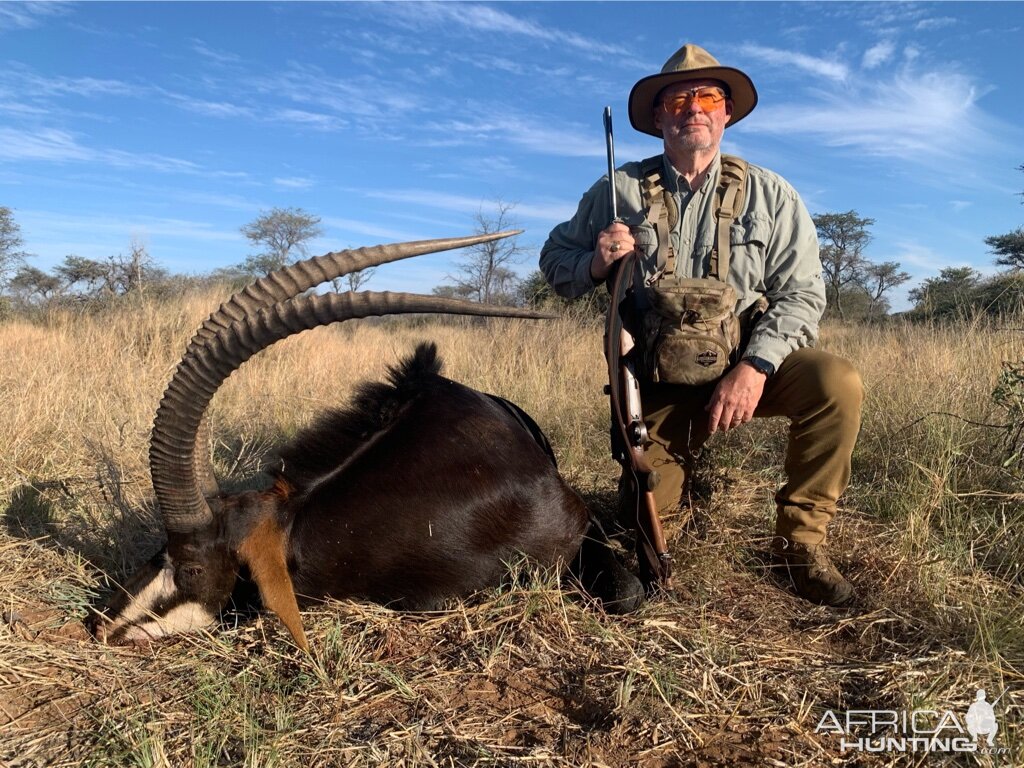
731, 670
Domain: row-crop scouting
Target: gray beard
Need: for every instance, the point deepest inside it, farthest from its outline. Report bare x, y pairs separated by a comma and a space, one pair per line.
696, 145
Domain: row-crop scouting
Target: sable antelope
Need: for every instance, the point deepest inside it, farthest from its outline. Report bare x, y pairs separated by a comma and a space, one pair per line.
422, 490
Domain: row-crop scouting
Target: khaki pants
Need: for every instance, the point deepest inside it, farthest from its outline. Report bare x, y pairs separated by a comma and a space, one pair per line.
819, 393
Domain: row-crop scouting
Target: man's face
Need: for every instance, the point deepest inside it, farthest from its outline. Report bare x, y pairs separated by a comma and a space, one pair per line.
691, 129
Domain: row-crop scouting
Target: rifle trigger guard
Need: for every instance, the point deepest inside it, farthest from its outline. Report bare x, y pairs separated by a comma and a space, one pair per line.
638, 433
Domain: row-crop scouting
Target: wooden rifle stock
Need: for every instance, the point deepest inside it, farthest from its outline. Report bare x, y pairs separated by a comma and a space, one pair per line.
629, 433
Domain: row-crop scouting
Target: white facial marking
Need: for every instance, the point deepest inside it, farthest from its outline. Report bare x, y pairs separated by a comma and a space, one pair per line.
183, 618
160, 588
139, 622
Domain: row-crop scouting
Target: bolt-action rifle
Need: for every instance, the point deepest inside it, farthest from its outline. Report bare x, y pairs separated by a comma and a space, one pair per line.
628, 432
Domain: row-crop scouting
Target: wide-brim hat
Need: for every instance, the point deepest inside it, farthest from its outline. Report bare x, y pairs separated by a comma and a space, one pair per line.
691, 62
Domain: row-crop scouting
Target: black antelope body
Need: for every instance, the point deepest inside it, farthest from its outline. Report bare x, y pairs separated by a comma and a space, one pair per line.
422, 490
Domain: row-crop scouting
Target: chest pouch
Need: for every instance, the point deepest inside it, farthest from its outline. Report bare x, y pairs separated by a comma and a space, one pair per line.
691, 330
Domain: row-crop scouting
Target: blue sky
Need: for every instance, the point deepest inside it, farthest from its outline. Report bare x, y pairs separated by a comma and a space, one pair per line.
177, 123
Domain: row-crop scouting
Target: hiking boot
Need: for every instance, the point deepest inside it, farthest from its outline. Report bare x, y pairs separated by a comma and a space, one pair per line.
812, 573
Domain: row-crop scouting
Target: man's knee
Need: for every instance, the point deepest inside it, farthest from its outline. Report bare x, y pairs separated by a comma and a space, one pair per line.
826, 378
841, 382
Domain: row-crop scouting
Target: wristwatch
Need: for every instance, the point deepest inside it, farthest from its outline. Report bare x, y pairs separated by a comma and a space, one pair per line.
760, 364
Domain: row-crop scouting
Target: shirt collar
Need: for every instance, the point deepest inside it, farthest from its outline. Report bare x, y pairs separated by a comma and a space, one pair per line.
678, 184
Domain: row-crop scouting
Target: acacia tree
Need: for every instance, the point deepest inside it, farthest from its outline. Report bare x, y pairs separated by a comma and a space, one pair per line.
949, 294
1009, 247
30, 282
879, 279
134, 271
11, 254
282, 233
353, 281
93, 276
485, 273
113, 276
842, 238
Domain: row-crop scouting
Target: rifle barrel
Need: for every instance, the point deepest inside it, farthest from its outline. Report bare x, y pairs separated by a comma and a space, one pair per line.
610, 145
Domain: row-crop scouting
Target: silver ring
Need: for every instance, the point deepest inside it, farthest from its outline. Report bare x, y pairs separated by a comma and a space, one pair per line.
615, 247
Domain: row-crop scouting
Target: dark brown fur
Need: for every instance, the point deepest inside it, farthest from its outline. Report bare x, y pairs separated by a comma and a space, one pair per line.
423, 489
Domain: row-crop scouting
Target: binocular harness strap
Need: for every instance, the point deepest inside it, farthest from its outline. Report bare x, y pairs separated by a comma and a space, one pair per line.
663, 213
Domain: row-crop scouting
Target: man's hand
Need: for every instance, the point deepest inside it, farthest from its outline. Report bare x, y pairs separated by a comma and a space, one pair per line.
735, 398
613, 243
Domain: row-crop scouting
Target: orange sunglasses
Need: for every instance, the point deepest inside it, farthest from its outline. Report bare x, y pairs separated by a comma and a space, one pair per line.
708, 99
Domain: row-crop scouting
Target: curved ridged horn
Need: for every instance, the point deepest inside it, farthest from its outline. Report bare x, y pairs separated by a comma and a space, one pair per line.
292, 280
200, 374
288, 281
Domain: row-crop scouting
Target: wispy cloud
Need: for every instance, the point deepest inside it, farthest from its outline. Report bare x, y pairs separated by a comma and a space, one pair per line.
57, 146
935, 23
878, 54
550, 211
50, 145
221, 57
219, 109
32, 94
492, 63
307, 119
484, 18
228, 110
826, 68
366, 229
365, 97
23, 80
376, 41
430, 199
293, 182
28, 15
529, 132
921, 259
26, 93
229, 201
79, 230
545, 211
913, 116
24, 110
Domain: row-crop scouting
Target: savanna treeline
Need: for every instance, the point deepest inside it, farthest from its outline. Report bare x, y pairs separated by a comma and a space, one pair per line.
858, 288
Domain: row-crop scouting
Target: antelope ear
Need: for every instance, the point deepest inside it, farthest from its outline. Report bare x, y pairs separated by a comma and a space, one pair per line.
263, 551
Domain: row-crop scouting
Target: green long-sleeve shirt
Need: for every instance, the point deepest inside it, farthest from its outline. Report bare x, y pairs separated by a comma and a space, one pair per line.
774, 249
